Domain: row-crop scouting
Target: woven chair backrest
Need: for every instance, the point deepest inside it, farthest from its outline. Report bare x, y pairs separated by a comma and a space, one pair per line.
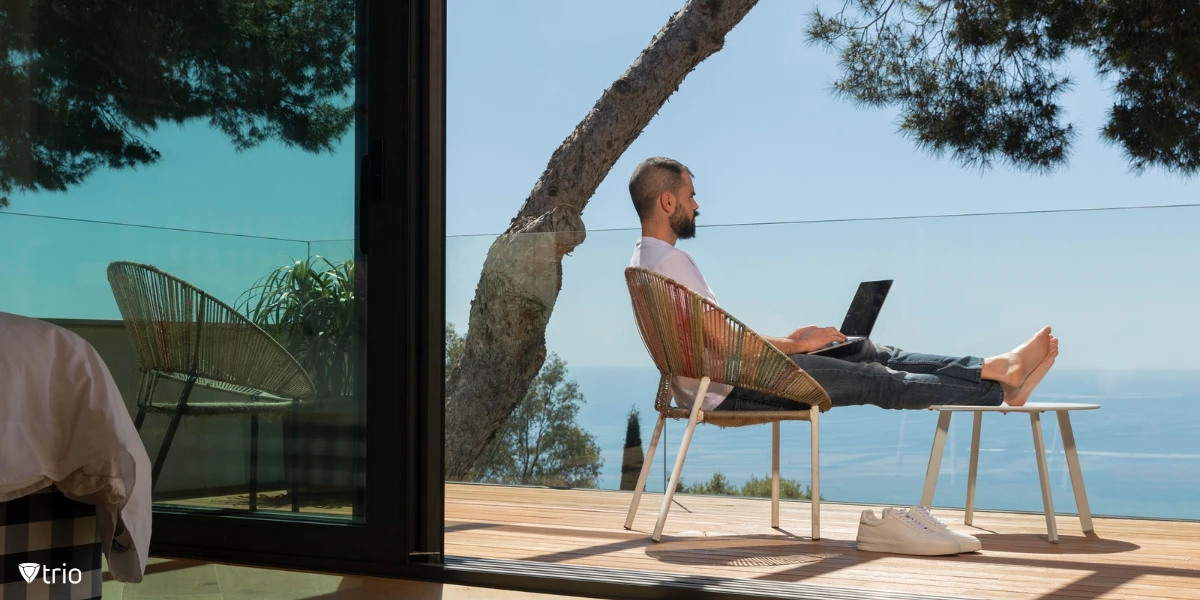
177, 328
671, 320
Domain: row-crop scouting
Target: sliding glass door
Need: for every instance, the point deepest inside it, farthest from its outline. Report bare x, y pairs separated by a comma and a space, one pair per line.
223, 199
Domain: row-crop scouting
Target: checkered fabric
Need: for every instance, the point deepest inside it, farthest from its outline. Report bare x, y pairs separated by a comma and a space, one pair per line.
327, 456
52, 532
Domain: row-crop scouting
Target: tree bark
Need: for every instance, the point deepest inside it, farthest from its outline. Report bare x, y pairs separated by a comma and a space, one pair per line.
506, 338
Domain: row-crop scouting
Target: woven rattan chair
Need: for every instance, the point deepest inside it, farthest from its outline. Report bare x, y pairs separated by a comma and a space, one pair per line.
182, 334
670, 318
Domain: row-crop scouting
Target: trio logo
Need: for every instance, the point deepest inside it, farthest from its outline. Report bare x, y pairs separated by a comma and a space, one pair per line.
29, 572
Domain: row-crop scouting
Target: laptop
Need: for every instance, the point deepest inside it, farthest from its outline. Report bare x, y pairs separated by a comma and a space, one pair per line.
860, 319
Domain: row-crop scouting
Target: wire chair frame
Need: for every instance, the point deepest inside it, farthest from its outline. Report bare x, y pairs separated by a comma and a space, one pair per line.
177, 328
670, 319
689, 336
182, 333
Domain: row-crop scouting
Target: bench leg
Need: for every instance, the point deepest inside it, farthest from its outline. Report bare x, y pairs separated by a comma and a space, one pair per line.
775, 475
935, 459
814, 421
974, 470
253, 462
1081, 502
295, 457
1039, 447
649, 461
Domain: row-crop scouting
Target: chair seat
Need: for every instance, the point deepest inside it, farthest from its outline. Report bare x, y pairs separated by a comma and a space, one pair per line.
739, 418
257, 401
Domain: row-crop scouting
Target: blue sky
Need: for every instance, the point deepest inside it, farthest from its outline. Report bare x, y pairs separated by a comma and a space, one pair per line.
755, 122
768, 143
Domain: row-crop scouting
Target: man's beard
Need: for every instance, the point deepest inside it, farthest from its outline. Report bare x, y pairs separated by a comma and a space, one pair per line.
684, 228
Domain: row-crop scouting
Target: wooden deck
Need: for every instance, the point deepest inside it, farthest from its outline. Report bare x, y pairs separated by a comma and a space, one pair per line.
731, 538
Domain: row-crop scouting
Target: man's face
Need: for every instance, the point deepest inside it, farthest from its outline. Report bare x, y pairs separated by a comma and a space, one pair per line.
683, 220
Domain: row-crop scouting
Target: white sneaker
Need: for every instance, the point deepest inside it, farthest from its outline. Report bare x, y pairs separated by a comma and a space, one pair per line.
898, 532
966, 543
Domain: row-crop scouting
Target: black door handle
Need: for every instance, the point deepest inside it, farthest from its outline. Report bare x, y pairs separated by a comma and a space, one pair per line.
370, 189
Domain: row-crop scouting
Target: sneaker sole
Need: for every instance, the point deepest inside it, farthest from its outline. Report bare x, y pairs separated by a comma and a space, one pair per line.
902, 548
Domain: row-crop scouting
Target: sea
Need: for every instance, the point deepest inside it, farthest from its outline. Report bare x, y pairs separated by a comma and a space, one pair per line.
1140, 451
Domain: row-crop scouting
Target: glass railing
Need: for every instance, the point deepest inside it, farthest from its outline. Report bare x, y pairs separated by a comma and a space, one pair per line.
1117, 286
56, 268
335, 251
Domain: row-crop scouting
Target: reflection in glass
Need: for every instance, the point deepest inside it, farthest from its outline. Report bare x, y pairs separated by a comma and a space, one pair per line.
87, 80
171, 178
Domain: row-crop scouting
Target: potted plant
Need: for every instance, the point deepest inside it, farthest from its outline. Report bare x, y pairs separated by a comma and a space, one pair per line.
309, 307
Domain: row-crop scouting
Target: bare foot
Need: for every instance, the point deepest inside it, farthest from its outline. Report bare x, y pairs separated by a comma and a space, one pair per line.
1019, 395
1012, 368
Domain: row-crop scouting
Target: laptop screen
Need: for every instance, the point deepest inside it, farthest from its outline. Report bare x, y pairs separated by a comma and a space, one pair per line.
868, 300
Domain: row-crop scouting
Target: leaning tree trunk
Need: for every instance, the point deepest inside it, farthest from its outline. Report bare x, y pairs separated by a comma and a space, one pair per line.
506, 336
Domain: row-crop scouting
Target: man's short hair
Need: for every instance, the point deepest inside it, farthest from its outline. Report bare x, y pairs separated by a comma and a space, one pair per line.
651, 179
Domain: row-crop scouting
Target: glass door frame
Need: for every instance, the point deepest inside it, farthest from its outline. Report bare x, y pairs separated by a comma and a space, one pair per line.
400, 175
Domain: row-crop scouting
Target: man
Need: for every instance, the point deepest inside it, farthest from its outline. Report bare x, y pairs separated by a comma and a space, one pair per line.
665, 200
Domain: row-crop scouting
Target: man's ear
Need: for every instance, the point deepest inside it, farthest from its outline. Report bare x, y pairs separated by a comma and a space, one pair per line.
666, 201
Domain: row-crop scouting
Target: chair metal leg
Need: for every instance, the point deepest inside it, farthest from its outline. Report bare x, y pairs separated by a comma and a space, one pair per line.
647, 463
1039, 447
775, 475
180, 407
814, 421
935, 459
253, 462
974, 469
145, 397
1081, 501
683, 447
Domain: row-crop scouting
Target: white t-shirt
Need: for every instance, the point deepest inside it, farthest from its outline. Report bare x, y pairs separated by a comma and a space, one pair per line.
665, 259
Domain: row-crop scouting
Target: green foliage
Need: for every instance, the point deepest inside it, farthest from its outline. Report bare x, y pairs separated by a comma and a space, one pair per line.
633, 429
788, 488
309, 307
754, 488
982, 80
83, 82
718, 485
455, 346
541, 443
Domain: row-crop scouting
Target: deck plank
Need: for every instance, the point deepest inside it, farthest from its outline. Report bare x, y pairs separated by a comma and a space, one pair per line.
730, 537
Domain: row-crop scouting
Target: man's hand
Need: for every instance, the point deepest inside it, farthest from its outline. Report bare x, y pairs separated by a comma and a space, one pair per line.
812, 337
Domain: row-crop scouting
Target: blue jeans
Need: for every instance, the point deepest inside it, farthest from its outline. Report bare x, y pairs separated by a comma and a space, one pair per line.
884, 376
